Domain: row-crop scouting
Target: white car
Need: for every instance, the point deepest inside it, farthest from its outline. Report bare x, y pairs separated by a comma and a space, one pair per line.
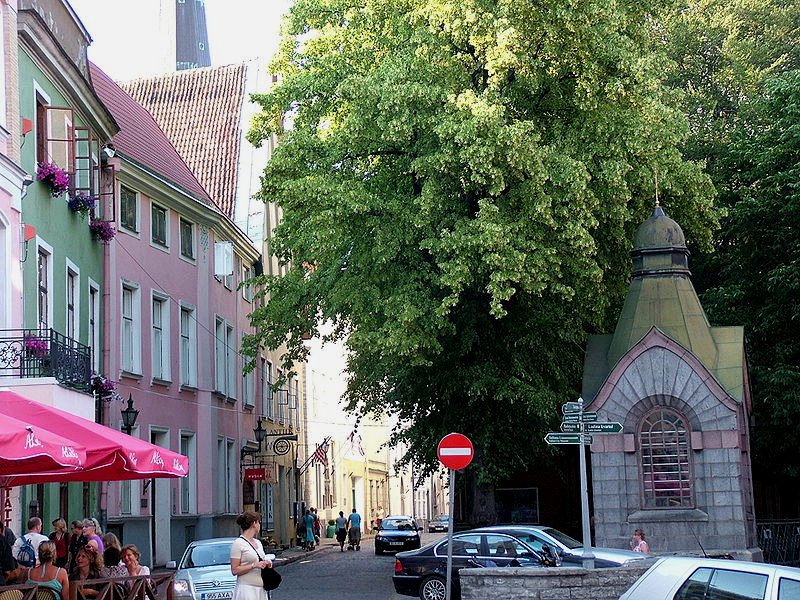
686, 578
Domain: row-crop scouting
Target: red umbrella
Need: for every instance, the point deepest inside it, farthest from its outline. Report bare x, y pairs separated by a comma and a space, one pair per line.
25, 447
110, 454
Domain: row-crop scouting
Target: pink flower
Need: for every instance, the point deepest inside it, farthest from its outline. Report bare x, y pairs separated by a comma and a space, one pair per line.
56, 178
103, 230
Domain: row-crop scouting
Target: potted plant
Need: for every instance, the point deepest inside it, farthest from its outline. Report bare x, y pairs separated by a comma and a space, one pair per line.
104, 231
54, 177
103, 387
81, 203
35, 347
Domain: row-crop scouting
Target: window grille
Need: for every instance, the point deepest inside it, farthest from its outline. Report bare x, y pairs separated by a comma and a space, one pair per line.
666, 469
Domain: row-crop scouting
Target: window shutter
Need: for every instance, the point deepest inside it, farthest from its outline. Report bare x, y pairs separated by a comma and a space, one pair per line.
223, 259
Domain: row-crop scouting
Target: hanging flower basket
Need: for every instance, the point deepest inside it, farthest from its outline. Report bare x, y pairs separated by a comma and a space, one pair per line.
104, 231
54, 177
103, 387
81, 203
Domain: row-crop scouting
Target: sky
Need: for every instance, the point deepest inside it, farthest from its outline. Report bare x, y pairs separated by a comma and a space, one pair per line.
126, 42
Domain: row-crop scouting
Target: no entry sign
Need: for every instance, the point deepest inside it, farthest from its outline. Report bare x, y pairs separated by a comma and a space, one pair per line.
455, 451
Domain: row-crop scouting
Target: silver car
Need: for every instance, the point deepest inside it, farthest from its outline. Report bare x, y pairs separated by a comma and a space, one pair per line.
687, 578
204, 571
570, 549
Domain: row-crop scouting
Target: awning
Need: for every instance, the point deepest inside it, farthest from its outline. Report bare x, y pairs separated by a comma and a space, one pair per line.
27, 447
110, 454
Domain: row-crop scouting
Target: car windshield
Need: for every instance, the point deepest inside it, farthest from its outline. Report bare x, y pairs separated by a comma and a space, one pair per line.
207, 555
398, 524
568, 541
443, 518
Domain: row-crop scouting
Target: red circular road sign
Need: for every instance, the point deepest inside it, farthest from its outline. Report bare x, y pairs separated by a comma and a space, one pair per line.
455, 451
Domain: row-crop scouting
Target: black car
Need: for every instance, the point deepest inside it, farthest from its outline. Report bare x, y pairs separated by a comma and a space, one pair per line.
423, 572
438, 523
396, 533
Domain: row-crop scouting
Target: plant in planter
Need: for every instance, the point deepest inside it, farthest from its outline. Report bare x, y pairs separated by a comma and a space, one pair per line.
103, 387
54, 177
81, 203
104, 231
35, 347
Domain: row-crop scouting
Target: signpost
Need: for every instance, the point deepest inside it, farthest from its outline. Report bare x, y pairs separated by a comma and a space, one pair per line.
603, 427
455, 452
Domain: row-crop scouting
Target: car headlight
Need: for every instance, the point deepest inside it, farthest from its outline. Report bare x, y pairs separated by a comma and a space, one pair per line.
181, 586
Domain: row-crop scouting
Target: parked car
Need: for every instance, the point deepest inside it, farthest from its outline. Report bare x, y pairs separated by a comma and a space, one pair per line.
438, 523
570, 549
423, 572
204, 571
396, 533
687, 578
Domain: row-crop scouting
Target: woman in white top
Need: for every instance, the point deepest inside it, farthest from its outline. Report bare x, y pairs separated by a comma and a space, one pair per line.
248, 558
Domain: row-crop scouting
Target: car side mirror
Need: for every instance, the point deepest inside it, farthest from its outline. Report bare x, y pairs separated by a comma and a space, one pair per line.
171, 564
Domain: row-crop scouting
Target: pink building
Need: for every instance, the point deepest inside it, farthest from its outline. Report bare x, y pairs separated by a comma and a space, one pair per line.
174, 324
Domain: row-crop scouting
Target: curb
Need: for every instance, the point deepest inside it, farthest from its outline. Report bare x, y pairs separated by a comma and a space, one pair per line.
294, 554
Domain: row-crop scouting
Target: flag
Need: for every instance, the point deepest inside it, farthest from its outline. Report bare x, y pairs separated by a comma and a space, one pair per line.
321, 453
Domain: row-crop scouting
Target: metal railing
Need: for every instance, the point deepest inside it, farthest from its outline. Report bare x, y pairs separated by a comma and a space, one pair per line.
157, 586
780, 541
33, 353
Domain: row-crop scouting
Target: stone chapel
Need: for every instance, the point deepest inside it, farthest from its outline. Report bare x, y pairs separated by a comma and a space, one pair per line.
680, 470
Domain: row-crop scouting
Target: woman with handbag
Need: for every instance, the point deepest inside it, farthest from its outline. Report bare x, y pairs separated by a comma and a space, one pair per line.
248, 559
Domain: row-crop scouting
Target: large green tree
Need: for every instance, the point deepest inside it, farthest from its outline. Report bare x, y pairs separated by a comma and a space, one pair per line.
730, 58
460, 185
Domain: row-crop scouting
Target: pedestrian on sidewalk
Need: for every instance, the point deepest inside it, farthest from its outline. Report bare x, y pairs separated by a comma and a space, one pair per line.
248, 558
341, 530
354, 521
308, 521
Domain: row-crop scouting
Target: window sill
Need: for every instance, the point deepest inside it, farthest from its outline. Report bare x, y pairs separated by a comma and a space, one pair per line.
160, 382
130, 375
668, 515
188, 388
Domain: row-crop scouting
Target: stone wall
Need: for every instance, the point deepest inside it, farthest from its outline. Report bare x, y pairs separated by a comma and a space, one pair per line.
548, 584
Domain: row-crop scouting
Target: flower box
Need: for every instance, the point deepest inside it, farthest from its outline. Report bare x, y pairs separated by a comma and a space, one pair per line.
54, 177
104, 231
81, 203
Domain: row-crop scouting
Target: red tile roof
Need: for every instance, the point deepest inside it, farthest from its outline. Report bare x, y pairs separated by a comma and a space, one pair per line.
141, 139
200, 111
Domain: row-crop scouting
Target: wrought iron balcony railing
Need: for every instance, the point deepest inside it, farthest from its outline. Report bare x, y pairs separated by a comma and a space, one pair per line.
46, 353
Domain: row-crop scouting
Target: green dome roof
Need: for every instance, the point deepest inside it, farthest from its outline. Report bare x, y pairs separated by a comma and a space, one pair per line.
659, 231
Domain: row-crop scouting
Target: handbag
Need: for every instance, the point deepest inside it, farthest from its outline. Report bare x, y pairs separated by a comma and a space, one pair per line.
270, 578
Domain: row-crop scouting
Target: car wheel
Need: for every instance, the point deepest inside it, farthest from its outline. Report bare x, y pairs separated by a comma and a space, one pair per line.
433, 588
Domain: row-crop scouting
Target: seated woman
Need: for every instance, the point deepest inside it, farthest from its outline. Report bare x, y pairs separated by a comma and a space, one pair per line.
112, 557
88, 565
47, 574
130, 558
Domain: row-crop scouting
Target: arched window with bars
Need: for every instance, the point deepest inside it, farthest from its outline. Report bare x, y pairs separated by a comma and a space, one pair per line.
665, 460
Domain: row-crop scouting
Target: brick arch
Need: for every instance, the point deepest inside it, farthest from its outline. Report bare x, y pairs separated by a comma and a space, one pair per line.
646, 405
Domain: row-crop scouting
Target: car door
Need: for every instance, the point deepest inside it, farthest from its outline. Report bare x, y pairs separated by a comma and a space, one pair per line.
466, 548
723, 584
506, 550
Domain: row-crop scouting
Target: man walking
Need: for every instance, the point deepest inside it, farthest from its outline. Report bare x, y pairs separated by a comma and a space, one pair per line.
354, 523
30, 541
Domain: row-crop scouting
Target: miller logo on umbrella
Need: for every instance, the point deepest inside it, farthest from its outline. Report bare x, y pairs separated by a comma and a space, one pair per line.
31, 441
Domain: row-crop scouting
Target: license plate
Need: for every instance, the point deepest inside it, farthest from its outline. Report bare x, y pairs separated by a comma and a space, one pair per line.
395, 543
217, 595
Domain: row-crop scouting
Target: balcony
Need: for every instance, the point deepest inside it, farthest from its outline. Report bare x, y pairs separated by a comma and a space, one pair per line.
28, 353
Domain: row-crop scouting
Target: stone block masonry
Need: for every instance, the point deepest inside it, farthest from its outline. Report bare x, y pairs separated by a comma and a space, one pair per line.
549, 584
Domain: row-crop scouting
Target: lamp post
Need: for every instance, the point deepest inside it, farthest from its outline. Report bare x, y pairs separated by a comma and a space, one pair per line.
129, 415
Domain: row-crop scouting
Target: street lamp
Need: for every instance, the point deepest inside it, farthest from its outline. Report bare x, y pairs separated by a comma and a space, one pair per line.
129, 416
260, 434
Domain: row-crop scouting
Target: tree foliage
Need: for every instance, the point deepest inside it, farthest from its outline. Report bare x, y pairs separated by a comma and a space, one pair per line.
736, 63
460, 186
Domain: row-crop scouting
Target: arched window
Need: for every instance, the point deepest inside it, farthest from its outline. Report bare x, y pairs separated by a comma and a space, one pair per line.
664, 451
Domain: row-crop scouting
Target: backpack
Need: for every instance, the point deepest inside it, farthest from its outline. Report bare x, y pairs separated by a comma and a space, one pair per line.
26, 555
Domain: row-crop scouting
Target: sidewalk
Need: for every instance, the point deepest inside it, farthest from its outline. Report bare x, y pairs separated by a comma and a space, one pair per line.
296, 553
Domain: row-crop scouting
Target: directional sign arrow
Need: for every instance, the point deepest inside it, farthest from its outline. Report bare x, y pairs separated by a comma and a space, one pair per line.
602, 427
566, 438
568, 427
571, 407
585, 417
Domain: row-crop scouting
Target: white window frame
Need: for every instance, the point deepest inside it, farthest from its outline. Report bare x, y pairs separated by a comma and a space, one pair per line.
137, 210
93, 324
224, 358
188, 345
281, 416
47, 250
230, 360
165, 246
247, 288
226, 476
131, 361
72, 283
193, 258
188, 485
248, 383
160, 337
267, 394
128, 493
